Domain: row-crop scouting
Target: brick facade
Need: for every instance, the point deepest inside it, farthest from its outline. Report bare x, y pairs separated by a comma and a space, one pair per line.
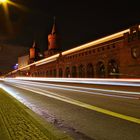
115, 56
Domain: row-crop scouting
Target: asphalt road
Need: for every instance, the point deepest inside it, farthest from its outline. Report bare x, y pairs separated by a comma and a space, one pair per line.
85, 111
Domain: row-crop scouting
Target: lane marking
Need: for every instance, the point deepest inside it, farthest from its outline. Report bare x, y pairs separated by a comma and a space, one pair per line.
81, 104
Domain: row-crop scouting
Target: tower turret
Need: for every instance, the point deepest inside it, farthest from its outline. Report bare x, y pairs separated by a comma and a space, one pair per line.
34, 53
52, 38
53, 41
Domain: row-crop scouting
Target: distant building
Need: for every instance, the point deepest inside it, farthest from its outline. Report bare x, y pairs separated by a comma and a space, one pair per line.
9, 55
23, 61
113, 56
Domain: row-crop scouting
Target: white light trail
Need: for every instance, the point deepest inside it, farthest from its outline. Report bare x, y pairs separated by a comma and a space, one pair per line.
107, 81
81, 104
96, 42
97, 91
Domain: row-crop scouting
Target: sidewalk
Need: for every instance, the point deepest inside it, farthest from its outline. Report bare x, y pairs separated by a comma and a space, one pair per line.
17, 122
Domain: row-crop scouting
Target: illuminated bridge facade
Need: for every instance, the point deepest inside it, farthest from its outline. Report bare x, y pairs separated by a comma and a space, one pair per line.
114, 56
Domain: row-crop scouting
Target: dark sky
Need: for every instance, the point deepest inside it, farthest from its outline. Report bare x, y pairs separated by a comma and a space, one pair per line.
78, 21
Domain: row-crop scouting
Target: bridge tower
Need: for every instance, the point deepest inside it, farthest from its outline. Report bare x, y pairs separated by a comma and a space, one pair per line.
53, 41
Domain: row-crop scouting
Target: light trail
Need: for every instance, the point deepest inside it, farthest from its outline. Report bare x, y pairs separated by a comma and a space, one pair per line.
95, 91
40, 62
97, 42
78, 103
107, 81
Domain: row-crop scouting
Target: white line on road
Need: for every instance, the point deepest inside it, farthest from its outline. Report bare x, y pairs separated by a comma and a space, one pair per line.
81, 89
79, 103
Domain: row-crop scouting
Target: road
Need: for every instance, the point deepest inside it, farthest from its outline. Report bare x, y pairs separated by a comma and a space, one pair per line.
84, 111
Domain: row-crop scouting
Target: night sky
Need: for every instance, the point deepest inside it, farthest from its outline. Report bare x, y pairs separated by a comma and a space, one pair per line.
78, 21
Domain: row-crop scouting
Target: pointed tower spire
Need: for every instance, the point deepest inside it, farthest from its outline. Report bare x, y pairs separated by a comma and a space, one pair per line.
53, 41
32, 52
34, 44
54, 26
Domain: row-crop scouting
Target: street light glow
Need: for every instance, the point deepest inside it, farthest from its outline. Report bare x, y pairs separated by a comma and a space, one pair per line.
3, 1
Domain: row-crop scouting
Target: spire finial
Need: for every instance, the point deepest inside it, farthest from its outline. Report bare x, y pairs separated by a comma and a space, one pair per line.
53, 29
34, 44
54, 18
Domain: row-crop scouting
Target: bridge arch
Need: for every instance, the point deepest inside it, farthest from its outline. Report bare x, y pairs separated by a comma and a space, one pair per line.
74, 71
113, 69
90, 70
100, 70
81, 70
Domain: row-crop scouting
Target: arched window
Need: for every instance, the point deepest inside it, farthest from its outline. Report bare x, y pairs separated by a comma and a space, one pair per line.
81, 71
60, 72
113, 70
47, 73
54, 72
90, 71
67, 72
74, 71
50, 73
100, 70
36, 74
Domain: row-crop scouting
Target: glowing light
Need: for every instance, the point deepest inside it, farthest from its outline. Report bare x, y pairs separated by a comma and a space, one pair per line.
46, 60
79, 103
107, 81
96, 42
40, 62
5, 4
95, 91
3, 1
17, 5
